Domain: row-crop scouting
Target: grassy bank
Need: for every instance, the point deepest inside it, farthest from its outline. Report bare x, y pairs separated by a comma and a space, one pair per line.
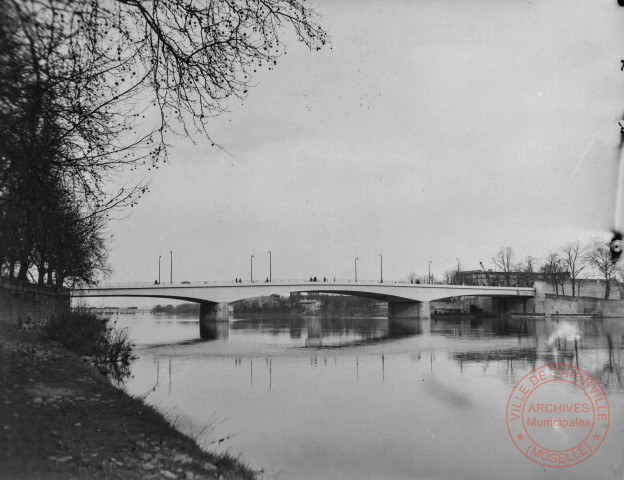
93, 336
61, 419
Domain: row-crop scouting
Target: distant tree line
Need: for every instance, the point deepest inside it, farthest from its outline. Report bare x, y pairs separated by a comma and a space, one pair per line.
339, 304
182, 309
275, 304
347, 304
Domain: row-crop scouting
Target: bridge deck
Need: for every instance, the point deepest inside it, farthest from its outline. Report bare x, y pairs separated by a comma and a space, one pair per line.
217, 292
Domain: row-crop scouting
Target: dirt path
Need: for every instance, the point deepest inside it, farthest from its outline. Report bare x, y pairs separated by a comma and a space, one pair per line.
60, 419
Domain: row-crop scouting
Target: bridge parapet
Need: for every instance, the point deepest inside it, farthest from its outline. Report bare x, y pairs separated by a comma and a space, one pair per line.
199, 283
217, 292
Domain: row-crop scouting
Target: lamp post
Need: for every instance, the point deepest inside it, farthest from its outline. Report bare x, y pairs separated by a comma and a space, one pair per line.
159, 257
429, 272
251, 261
270, 261
381, 267
356, 259
171, 269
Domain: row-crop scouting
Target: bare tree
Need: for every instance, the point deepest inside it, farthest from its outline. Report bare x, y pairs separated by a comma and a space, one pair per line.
504, 261
572, 255
93, 87
449, 277
554, 271
527, 270
82, 252
42, 210
412, 277
529, 264
122, 75
598, 257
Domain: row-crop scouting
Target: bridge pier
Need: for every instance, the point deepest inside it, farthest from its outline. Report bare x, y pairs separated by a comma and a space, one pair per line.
209, 315
413, 310
313, 331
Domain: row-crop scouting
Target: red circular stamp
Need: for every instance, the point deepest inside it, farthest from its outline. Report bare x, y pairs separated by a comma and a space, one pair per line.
558, 415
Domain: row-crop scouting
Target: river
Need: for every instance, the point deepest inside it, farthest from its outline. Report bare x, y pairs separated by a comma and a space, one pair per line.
307, 397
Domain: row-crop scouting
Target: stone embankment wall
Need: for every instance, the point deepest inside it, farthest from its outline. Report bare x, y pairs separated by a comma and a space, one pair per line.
488, 305
504, 305
550, 304
584, 288
22, 302
545, 302
557, 304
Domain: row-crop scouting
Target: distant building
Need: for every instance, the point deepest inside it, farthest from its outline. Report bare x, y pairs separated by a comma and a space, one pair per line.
504, 279
114, 310
295, 296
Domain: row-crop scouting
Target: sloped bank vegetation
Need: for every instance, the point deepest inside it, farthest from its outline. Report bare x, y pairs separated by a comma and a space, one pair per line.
95, 337
62, 419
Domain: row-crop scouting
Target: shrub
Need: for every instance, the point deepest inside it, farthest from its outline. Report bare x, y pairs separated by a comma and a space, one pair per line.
94, 335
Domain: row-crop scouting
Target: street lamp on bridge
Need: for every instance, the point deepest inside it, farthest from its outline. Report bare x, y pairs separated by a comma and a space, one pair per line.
171, 269
381, 267
159, 257
429, 282
356, 259
270, 261
251, 276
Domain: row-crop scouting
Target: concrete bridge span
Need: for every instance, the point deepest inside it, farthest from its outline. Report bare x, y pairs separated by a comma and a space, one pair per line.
404, 300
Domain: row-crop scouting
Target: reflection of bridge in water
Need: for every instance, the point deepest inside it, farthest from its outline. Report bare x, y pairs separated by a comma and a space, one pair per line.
324, 331
509, 345
405, 301
496, 346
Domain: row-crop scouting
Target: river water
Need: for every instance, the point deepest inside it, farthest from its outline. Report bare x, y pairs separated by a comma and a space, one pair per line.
307, 397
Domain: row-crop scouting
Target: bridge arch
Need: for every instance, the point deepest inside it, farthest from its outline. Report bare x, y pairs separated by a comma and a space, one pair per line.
404, 300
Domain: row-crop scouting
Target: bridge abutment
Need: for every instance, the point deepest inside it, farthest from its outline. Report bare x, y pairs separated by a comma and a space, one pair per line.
210, 314
405, 310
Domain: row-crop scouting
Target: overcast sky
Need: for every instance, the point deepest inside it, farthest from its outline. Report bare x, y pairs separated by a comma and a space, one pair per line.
431, 131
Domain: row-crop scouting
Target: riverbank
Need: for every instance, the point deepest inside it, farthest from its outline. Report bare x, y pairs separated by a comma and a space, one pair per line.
61, 419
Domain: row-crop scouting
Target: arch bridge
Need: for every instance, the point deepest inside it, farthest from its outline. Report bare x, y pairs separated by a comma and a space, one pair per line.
405, 300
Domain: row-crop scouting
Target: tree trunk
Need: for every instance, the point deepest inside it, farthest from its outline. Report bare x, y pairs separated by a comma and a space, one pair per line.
60, 277
59, 281
23, 270
607, 288
41, 274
